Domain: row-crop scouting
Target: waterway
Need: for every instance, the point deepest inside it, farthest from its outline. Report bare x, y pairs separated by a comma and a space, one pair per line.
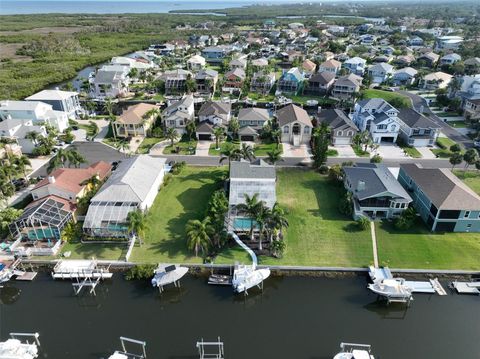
294, 318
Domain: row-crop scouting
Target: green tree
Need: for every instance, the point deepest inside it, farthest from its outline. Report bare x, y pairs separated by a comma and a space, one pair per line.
470, 157
251, 208
274, 156
136, 221
33, 136
455, 159
171, 135
363, 223
198, 235
247, 152
231, 153
191, 129
22, 163
123, 146
7, 216
234, 127
219, 134
321, 139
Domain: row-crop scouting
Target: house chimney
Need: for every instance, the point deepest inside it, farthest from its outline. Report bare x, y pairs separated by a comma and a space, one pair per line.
360, 186
51, 179
319, 109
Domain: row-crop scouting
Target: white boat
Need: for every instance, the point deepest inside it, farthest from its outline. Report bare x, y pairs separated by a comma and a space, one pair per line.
5, 273
354, 351
123, 354
167, 274
311, 103
394, 289
247, 276
14, 348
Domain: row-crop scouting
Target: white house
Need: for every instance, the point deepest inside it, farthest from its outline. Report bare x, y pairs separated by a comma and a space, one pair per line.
380, 72
133, 185
379, 118
355, 65
436, 80
110, 81
65, 101
39, 113
196, 63
17, 129
449, 42
450, 59
179, 113
295, 124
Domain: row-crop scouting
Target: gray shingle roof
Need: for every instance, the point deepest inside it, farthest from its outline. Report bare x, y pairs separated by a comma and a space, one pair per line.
256, 169
336, 118
413, 118
253, 113
323, 77
215, 108
378, 180
443, 188
293, 113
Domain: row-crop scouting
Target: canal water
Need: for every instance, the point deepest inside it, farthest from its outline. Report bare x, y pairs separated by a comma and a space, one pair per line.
294, 318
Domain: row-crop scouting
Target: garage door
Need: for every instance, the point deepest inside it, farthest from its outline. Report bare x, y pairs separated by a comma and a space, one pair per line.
204, 137
342, 141
387, 139
247, 138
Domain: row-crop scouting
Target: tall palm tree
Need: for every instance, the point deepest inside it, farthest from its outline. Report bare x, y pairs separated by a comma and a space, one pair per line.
231, 153
278, 220
219, 133
136, 223
123, 146
262, 216
276, 135
75, 158
32, 136
191, 128
234, 127
274, 156
92, 182
247, 152
171, 135
198, 235
108, 106
251, 208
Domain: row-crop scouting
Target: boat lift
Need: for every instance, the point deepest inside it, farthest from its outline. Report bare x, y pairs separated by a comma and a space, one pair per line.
211, 350
167, 274
124, 354
20, 346
466, 287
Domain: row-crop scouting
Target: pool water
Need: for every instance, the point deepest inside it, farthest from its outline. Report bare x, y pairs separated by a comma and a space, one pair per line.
243, 224
47, 233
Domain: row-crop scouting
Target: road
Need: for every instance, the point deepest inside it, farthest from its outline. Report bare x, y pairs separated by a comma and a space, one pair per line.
420, 103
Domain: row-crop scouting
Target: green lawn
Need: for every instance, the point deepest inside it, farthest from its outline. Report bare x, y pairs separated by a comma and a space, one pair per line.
95, 250
318, 234
421, 249
444, 143
360, 152
186, 148
302, 99
213, 151
471, 179
410, 151
261, 149
332, 152
457, 124
397, 99
261, 98
184, 198
147, 144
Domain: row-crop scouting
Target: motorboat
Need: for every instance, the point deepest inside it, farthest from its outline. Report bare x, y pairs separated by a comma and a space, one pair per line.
394, 289
167, 274
247, 276
354, 351
14, 348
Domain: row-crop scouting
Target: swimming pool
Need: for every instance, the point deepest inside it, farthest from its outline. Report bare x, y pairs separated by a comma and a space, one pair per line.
243, 224
43, 233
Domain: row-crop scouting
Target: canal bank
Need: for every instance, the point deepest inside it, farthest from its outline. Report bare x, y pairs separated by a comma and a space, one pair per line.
294, 317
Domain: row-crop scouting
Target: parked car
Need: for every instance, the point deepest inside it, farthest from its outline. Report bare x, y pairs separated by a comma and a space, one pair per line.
20, 183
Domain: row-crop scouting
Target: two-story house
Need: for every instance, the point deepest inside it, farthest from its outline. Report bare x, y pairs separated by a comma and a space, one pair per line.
442, 200
429, 59
375, 191
342, 127
15, 129
196, 63
291, 81
65, 101
379, 118
251, 121
345, 87
450, 59
206, 80
355, 65
405, 76
320, 83
416, 129
179, 113
295, 124
330, 65
136, 120
110, 81
380, 72
175, 81
212, 114
214, 54
233, 80
262, 82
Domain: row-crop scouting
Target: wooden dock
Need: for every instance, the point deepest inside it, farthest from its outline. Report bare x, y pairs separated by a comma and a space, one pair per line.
25, 276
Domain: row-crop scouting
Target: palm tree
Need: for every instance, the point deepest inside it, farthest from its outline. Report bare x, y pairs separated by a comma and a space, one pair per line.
22, 164
90, 106
123, 146
234, 127
219, 134
33, 136
111, 119
75, 158
274, 156
136, 223
247, 152
278, 220
171, 135
198, 235
108, 106
276, 135
92, 182
262, 216
251, 208
231, 153
191, 128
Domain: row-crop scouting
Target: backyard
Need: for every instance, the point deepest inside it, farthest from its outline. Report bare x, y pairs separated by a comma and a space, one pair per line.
471, 179
393, 98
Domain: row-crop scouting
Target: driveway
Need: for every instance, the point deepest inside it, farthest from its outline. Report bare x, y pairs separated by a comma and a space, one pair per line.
420, 103
344, 151
302, 151
202, 148
426, 152
157, 149
389, 151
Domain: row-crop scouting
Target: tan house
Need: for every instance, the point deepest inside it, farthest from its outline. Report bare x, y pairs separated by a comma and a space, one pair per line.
346, 86
308, 67
295, 124
332, 66
135, 120
435, 80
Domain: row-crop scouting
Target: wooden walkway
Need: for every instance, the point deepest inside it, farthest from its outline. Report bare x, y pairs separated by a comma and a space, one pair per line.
374, 244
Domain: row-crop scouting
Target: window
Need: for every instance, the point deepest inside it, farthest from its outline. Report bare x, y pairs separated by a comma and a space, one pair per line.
339, 133
306, 130
397, 205
285, 129
394, 127
350, 133
381, 127
467, 214
469, 225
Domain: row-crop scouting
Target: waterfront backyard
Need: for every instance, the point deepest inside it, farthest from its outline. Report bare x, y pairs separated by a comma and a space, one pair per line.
318, 235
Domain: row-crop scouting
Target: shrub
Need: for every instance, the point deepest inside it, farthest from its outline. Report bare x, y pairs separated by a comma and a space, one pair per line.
141, 271
363, 223
346, 206
323, 169
455, 148
278, 248
167, 179
406, 220
335, 173
178, 167
376, 159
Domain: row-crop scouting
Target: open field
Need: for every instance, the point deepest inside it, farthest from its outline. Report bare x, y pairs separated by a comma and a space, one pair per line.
419, 248
471, 179
396, 99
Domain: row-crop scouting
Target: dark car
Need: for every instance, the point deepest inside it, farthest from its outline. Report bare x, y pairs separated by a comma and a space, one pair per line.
19, 183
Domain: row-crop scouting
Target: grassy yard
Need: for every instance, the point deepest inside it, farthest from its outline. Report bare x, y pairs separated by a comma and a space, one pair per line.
184, 198
261, 98
318, 235
458, 124
444, 151
147, 144
185, 148
360, 152
388, 96
410, 151
419, 248
213, 151
95, 250
471, 179
261, 149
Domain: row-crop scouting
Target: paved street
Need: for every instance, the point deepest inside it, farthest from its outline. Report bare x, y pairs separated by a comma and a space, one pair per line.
419, 102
